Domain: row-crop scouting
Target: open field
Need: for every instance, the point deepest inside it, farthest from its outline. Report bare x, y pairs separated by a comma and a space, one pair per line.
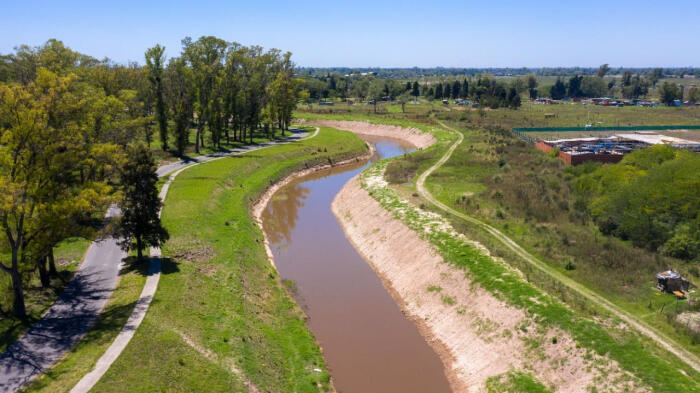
470, 179
220, 311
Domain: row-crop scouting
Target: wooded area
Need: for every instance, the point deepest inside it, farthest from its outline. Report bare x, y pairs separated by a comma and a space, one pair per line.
67, 121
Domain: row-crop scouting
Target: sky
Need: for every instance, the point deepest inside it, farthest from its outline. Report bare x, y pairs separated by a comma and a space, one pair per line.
360, 33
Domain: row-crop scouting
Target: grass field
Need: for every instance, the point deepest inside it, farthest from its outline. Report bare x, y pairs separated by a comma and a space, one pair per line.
221, 313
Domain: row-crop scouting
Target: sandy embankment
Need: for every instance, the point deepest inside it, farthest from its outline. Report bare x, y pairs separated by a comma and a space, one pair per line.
414, 136
260, 205
476, 335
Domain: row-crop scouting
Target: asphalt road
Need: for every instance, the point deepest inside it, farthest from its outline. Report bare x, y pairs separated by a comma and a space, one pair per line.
76, 310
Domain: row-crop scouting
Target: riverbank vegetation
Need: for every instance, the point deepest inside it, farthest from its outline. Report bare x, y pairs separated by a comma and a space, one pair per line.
222, 319
68, 119
543, 206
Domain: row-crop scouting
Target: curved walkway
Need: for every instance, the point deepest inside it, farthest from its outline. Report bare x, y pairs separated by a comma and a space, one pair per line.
78, 307
149, 289
653, 334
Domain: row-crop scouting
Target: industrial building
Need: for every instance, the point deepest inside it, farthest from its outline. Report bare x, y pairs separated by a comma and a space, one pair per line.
610, 149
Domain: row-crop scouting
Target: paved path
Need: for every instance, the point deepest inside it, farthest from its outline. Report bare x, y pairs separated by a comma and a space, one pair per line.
76, 310
661, 339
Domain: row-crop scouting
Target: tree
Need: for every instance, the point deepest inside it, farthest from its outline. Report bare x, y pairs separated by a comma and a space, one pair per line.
669, 92
438, 91
180, 99
403, 99
513, 99
415, 91
205, 59
51, 167
558, 90
603, 70
655, 75
155, 59
465, 89
593, 86
456, 87
575, 86
140, 204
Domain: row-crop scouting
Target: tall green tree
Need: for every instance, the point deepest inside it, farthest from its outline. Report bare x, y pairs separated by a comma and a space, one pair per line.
603, 70
558, 90
50, 166
155, 61
140, 204
205, 59
415, 91
669, 92
180, 98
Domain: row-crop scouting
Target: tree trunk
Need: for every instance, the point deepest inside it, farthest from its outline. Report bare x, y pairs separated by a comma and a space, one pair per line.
43, 273
196, 139
139, 247
18, 303
52, 264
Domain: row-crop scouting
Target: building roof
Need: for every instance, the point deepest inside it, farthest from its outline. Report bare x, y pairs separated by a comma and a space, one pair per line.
668, 274
657, 139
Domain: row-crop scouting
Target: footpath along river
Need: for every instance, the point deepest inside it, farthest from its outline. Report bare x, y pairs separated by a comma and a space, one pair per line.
369, 345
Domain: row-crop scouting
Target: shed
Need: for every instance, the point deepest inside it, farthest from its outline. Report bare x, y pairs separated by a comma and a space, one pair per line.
670, 281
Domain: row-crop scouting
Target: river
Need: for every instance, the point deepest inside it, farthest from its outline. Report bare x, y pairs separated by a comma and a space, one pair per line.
368, 344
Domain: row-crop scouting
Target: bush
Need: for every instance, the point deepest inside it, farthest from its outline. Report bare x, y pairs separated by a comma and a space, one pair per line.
682, 246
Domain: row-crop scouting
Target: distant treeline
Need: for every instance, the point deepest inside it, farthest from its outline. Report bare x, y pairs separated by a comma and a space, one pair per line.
494, 92
485, 89
416, 73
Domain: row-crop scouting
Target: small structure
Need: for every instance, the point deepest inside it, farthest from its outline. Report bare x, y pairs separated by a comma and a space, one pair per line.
610, 149
671, 281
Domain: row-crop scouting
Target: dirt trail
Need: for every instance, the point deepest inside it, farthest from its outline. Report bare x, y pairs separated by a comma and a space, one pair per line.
476, 335
658, 337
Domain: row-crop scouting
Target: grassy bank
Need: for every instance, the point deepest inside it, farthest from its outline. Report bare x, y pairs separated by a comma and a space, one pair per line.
603, 335
473, 181
221, 319
528, 196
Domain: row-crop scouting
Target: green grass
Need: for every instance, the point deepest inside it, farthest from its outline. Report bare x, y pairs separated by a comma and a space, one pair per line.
68, 256
169, 156
81, 359
529, 198
655, 367
219, 290
515, 382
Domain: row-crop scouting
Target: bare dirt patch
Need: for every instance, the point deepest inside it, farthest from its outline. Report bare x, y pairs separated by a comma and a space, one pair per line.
476, 335
414, 136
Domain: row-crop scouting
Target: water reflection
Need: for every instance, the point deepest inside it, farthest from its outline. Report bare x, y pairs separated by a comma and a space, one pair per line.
369, 345
284, 206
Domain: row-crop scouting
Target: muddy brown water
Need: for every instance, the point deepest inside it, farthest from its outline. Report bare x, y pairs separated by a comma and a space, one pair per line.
368, 344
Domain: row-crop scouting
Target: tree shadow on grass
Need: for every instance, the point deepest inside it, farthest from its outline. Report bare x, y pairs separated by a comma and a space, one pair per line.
143, 267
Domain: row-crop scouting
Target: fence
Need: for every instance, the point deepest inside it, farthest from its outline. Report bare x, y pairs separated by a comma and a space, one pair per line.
522, 132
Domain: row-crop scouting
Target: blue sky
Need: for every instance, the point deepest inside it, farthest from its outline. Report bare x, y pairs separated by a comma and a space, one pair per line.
377, 33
